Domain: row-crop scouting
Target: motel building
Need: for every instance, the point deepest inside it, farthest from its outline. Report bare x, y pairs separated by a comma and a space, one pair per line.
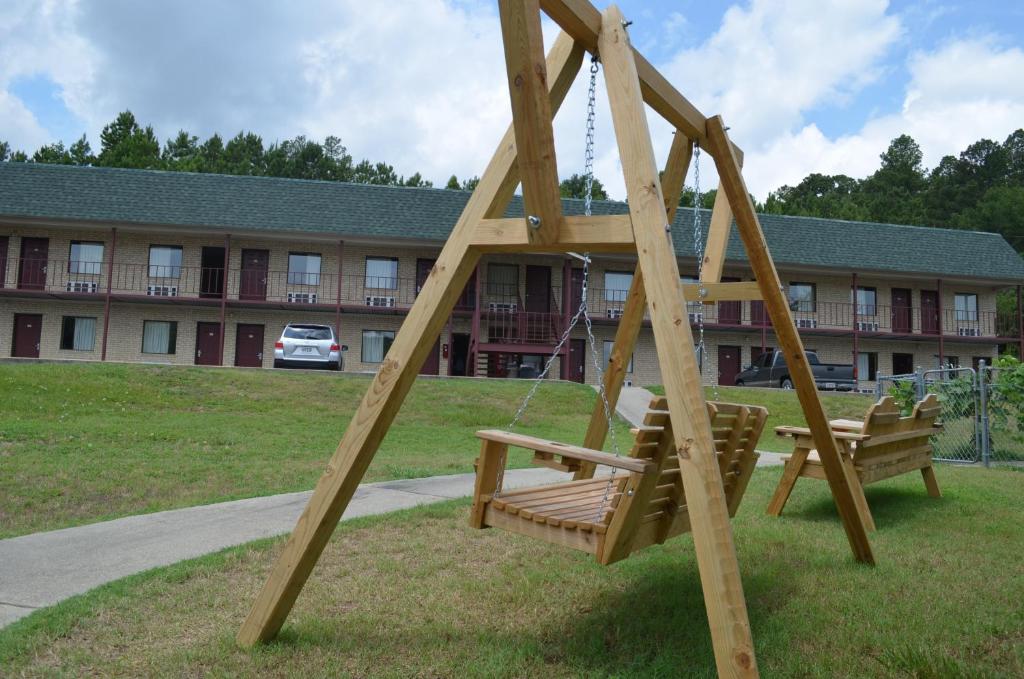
101, 264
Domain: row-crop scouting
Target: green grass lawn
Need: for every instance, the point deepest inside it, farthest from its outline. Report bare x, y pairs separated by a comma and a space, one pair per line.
81, 443
783, 408
418, 593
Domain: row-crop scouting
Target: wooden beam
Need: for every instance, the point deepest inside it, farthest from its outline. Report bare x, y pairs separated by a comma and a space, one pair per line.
718, 239
582, 21
389, 387
698, 464
630, 322
531, 116
789, 339
742, 291
612, 233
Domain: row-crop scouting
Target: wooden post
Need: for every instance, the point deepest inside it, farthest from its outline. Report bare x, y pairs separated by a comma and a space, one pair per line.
788, 337
702, 481
396, 375
224, 297
718, 239
106, 300
531, 116
628, 330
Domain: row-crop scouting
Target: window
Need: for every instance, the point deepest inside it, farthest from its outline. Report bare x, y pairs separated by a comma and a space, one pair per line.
867, 366
801, 296
376, 344
608, 353
85, 257
947, 361
382, 273
616, 285
159, 337
78, 334
303, 268
867, 301
164, 261
503, 280
966, 305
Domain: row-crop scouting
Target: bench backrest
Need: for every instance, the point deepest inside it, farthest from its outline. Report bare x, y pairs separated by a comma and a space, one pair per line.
659, 497
894, 436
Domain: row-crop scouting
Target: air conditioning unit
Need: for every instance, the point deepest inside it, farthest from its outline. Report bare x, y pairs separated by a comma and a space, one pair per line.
867, 326
969, 332
380, 301
162, 290
507, 307
806, 323
302, 297
615, 314
81, 286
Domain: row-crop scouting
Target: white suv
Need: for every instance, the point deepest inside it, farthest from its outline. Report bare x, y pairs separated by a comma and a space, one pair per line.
305, 345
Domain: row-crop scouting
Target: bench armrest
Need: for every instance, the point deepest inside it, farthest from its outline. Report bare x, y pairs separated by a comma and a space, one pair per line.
630, 464
786, 430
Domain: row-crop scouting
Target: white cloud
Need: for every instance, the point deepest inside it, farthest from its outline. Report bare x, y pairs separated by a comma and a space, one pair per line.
957, 94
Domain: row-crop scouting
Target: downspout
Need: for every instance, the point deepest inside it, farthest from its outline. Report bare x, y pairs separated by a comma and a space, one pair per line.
563, 360
337, 298
224, 296
110, 278
474, 332
942, 330
856, 332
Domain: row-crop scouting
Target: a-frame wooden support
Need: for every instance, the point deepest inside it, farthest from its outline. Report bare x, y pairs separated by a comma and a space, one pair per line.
527, 153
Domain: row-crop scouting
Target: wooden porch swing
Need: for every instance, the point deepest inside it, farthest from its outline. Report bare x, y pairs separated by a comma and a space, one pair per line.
701, 465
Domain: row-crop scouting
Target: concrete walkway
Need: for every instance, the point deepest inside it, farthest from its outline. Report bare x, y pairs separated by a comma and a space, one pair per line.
43, 569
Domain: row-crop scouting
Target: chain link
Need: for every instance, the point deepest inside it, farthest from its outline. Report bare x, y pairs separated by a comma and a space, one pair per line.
698, 251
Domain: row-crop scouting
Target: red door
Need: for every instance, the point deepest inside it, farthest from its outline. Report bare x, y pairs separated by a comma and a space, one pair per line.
253, 282
432, 366
930, 312
538, 289
248, 345
28, 329
423, 269
758, 316
901, 310
3, 261
730, 313
207, 343
728, 365
576, 281
577, 357
32, 271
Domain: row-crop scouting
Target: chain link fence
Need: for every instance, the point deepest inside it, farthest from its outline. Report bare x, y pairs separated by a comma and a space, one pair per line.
982, 411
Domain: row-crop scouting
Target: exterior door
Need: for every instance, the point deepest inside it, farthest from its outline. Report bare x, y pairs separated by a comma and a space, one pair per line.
730, 313
423, 268
3, 261
902, 364
458, 364
576, 281
577, 360
930, 312
248, 345
902, 310
758, 316
432, 366
28, 329
728, 365
32, 270
538, 289
211, 275
207, 343
252, 284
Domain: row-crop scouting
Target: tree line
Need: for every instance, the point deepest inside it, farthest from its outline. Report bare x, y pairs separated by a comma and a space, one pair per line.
981, 189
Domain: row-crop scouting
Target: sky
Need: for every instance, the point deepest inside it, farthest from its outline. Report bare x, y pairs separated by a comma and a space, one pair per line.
804, 85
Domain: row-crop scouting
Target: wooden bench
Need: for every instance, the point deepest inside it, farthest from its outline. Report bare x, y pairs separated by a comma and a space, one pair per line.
882, 446
611, 517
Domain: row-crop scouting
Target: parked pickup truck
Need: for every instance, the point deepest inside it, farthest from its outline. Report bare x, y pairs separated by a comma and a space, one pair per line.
770, 370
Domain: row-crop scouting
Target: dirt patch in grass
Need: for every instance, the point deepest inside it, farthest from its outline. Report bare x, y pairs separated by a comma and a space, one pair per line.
420, 594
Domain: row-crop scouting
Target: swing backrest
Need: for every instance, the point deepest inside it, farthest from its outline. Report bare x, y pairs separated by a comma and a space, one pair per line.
656, 509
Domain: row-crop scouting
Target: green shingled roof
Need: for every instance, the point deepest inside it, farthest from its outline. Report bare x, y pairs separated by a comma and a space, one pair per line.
239, 204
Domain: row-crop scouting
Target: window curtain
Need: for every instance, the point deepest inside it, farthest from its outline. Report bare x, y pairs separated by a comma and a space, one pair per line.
85, 334
86, 258
376, 344
382, 274
164, 262
304, 269
616, 286
156, 337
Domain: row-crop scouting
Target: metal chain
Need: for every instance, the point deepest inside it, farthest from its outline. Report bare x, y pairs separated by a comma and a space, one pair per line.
698, 251
588, 154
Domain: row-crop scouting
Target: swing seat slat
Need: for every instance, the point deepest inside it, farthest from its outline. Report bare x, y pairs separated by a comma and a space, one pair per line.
613, 517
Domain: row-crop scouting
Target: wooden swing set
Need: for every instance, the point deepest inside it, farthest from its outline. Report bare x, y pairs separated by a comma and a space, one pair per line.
711, 474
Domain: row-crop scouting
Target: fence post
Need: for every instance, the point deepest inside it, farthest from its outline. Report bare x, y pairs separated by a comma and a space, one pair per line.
983, 408
919, 383
878, 388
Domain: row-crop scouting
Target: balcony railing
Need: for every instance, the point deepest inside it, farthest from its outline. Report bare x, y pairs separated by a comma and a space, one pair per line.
510, 314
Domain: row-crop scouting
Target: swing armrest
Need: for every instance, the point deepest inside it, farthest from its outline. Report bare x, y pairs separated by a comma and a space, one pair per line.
796, 432
630, 464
